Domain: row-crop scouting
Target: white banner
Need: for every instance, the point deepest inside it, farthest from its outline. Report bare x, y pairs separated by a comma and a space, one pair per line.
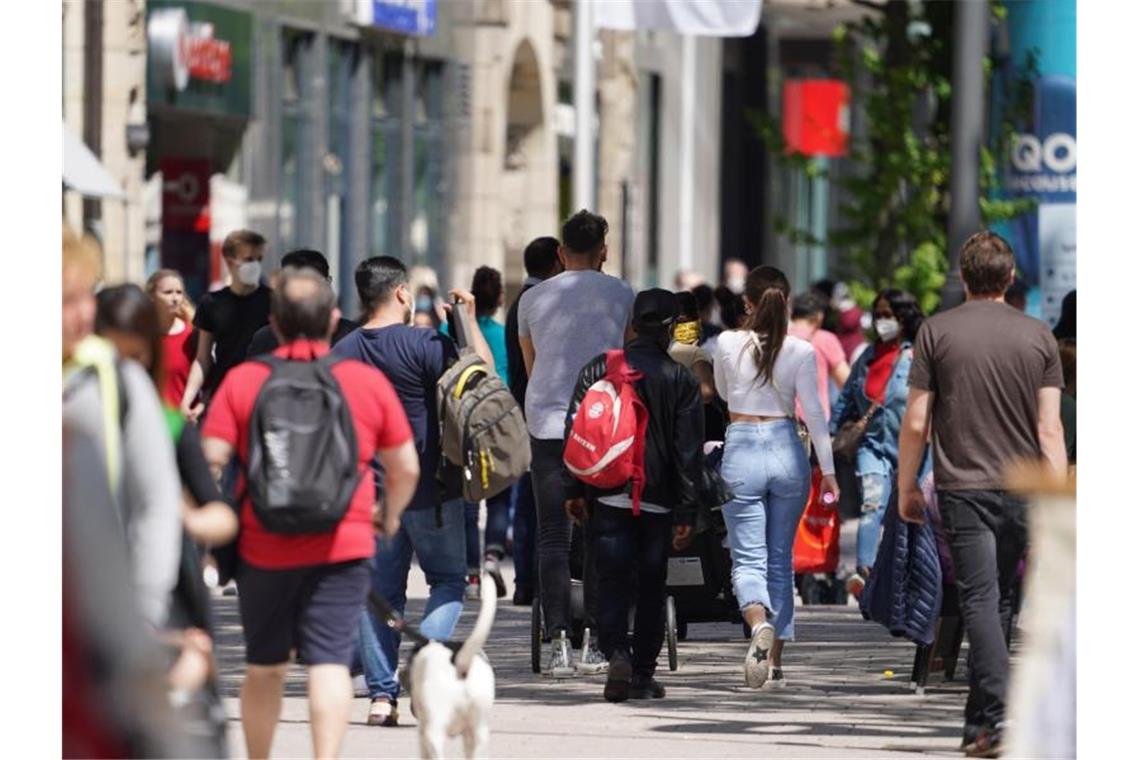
709, 18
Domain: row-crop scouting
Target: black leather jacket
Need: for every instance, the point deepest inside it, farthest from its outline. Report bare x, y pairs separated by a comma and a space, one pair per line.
675, 435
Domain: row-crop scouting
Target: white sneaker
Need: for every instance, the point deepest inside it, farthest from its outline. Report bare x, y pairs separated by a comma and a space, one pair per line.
756, 661
560, 664
592, 661
472, 593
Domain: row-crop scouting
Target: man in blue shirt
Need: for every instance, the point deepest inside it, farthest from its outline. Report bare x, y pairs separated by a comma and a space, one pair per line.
413, 359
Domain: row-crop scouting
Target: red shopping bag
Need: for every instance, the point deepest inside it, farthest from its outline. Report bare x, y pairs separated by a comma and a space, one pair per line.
816, 549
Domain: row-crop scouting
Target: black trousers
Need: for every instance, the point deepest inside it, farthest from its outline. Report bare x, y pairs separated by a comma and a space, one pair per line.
632, 559
988, 537
554, 533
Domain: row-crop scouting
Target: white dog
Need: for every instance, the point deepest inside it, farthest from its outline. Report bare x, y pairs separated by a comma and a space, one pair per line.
453, 686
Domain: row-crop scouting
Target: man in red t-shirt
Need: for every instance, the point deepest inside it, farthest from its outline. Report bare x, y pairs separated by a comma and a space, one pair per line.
307, 591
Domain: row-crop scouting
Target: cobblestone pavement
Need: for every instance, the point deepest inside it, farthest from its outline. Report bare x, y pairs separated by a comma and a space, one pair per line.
838, 703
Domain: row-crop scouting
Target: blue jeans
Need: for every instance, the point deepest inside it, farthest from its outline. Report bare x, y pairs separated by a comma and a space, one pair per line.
768, 471
440, 554
877, 492
495, 536
524, 530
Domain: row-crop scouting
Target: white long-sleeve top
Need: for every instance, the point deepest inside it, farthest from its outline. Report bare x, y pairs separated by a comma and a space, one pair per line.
794, 375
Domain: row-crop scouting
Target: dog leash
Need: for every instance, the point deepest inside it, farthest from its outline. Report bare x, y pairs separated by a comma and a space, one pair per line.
383, 611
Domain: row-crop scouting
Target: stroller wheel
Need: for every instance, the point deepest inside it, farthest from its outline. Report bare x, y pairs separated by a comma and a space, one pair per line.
671, 631
536, 635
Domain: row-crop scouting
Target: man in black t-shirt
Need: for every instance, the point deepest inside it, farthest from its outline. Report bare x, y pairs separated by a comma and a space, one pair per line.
541, 261
264, 341
228, 318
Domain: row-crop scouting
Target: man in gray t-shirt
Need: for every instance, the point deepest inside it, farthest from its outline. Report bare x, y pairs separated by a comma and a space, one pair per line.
986, 380
563, 323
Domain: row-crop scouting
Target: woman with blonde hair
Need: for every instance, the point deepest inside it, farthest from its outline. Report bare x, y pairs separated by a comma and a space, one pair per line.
176, 317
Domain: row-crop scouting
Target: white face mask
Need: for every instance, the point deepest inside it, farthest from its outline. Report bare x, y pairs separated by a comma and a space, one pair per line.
249, 273
888, 329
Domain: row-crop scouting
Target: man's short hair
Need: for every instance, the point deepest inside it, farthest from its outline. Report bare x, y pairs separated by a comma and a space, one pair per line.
986, 261
240, 238
377, 279
704, 295
307, 258
541, 257
809, 304
486, 286
302, 305
584, 233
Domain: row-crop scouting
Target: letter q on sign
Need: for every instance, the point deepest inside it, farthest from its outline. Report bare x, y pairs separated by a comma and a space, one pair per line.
1058, 154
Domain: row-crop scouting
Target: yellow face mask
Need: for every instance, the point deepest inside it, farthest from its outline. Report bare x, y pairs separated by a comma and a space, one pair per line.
687, 332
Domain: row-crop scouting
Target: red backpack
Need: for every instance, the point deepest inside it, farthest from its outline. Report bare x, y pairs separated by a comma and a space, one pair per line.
606, 445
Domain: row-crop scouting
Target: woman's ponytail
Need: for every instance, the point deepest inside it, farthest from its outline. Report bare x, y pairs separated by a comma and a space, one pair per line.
767, 291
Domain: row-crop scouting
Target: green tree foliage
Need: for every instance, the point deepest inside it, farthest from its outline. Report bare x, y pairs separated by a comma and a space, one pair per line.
895, 190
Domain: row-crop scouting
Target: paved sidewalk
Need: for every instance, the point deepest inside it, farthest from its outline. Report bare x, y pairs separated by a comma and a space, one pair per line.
838, 704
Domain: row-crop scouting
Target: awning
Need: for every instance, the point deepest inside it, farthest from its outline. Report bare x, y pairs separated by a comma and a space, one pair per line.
83, 173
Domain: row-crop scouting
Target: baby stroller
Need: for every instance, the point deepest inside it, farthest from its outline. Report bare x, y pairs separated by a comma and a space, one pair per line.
699, 579
699, 583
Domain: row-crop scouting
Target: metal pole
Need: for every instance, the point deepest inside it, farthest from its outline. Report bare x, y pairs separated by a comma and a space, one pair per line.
688, 149
967, 115
584, 183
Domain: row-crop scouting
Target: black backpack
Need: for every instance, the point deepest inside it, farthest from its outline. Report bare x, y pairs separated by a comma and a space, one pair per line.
302, 448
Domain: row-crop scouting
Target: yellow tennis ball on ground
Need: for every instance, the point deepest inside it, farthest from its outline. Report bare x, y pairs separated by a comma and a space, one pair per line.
888, 674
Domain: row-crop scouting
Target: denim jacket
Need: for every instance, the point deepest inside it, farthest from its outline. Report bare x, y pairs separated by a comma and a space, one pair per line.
879, 449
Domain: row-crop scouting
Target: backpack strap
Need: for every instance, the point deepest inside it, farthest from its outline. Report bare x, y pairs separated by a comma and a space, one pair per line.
617, 369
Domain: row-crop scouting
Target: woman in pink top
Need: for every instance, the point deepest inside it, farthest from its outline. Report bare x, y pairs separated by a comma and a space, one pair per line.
807, 316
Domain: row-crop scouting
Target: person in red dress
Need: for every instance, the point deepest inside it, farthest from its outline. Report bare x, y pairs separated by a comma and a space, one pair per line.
176, 315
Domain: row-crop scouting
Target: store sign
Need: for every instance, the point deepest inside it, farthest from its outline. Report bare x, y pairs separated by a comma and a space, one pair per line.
187, 51
1043, 166
416, 17
199, 57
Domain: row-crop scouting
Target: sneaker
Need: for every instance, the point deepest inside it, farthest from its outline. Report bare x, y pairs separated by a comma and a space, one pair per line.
857, 581
592, 661
646, 687
776, 679
986, 744
619, 680
756, 660
491, 568
560, 664
383, 712
524, 596
472, 588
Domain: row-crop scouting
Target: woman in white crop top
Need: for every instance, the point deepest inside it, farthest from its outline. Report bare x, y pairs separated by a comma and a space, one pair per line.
761, 372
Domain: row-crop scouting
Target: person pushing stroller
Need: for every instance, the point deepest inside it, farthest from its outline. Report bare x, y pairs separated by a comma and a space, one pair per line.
631, 548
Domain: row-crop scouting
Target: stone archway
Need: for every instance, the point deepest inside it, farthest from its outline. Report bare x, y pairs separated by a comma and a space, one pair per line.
526, 163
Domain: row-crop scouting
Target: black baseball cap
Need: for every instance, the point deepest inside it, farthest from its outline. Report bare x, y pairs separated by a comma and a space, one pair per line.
655, 307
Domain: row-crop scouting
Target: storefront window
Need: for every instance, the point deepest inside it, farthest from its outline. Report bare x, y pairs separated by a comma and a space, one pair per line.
428, 220
342, 61
294, 125
385, 148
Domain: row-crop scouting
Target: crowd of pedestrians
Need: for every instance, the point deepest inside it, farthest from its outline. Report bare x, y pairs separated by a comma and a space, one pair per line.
173, 415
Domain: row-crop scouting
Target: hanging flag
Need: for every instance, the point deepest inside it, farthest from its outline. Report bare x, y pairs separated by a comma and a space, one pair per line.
708, 18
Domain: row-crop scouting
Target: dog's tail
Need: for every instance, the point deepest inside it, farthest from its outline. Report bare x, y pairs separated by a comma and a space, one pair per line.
488, 600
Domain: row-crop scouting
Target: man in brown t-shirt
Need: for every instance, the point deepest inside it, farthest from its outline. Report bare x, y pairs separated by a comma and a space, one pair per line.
988, 379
